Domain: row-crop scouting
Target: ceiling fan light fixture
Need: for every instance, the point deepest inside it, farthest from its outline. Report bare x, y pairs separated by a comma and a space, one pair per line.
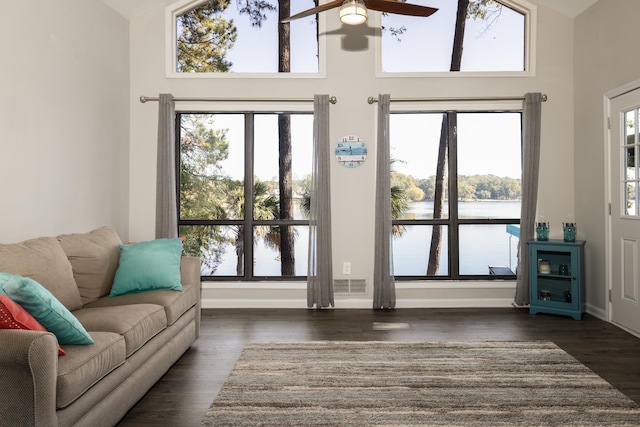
353, 12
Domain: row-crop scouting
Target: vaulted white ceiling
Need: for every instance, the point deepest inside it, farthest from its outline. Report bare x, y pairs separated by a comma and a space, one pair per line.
130, 8
571, 8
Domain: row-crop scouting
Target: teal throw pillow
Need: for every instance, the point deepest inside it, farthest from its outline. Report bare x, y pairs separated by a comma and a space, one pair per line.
148, 266
45, 308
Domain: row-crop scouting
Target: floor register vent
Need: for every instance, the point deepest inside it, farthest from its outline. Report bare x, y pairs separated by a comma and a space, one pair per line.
350, 286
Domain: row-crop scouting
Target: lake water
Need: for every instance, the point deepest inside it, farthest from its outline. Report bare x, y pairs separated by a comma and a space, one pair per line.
480, 245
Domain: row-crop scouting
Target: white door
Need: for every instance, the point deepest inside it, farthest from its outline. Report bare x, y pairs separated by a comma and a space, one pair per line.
624, 167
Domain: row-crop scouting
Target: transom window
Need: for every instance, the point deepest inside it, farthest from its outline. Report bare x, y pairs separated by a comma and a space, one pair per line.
631, 169
243, 36
456, 193
492, 38
223, 158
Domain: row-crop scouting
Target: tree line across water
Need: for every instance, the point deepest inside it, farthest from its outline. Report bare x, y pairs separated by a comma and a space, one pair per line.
470, 187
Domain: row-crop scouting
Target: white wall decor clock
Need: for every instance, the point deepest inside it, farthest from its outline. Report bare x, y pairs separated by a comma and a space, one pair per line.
351, 151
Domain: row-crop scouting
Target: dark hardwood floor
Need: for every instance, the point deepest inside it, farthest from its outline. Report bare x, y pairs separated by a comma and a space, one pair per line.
183, 395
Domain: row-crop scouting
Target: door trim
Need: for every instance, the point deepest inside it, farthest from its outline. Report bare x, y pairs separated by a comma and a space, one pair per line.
607, 98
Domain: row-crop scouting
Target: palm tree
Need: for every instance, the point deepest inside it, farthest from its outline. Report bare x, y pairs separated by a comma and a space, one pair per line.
399, 204
265, 207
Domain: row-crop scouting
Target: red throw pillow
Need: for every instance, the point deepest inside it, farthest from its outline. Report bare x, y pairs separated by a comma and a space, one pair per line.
13, 316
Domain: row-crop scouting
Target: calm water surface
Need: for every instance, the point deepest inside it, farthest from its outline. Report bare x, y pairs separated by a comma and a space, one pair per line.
480, 245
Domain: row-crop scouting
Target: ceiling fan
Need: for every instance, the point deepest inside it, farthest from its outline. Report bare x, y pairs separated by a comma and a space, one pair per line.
354, 12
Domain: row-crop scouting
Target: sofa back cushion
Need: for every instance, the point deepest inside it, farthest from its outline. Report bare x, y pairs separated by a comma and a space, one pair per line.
44, 261
94, 257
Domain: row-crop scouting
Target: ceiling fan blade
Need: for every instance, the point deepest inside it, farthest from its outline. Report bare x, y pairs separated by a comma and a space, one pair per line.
400, 8
314, 10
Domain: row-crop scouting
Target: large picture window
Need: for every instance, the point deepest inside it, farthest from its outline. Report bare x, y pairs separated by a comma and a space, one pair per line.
456, 193
244, 192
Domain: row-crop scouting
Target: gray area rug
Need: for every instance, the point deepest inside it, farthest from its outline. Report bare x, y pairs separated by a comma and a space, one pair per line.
416, 384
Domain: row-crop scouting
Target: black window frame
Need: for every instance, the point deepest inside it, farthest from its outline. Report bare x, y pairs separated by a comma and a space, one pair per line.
453, 222
248, 222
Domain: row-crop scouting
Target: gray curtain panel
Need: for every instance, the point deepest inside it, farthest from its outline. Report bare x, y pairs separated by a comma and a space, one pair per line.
531, 118
166, 207
320, 270
384, 288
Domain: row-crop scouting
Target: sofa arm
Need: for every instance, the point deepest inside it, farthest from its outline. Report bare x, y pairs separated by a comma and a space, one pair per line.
190, 273
28, 372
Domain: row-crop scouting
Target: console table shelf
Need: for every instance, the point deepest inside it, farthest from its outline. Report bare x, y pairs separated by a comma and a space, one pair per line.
559, 288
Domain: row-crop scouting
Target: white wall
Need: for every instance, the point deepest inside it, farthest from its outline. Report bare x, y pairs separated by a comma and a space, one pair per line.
64, 118
351, 77
605, 59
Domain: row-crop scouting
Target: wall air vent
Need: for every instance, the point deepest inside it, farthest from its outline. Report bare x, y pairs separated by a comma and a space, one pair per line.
350, 286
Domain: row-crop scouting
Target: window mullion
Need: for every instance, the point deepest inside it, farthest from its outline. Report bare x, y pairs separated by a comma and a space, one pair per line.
178, 135
248, 193
452, 129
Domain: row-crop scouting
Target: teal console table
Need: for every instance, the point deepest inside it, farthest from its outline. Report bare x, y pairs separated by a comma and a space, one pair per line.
556, 277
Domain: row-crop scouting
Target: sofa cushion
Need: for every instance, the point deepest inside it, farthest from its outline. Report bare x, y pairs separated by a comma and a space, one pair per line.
44, 261
146, 266
83, 366
46, 309
13, 316
136, 323
175, 303
94, 259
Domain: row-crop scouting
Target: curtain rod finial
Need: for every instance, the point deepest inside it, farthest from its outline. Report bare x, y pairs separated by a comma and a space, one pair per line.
143, 99
371, 100
333, 100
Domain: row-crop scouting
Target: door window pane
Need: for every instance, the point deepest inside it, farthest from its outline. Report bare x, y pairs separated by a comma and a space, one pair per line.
631, 197
630, 127
630, 169
630, 162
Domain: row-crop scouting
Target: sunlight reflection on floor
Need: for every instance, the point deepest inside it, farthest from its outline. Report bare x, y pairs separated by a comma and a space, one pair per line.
385, 326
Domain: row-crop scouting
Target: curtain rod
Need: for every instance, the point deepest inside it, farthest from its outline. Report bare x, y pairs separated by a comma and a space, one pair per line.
372, 100
144, 99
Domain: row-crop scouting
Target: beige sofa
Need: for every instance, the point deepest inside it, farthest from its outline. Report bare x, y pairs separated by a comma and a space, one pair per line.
137, 337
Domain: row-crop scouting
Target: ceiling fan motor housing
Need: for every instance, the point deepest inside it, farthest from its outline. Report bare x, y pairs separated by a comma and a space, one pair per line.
353, 12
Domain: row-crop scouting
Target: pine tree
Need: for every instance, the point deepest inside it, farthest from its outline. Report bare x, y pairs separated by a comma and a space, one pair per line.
204, 38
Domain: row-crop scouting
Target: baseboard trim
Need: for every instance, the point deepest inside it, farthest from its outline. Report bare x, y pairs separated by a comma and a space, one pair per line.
596, 312
359, 303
